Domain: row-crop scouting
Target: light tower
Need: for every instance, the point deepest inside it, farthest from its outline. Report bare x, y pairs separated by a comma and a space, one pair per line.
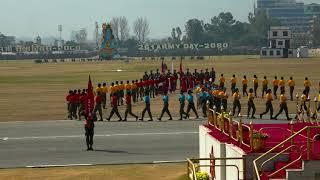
60, 31
97, 35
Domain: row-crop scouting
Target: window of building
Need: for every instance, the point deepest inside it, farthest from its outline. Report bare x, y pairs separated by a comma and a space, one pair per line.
290, 52
278, 53
271, 53
285, 33
264, 53
280, 43
275, 33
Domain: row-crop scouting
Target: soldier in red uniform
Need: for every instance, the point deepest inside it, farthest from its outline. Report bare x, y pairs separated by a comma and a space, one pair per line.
68, 99
183, 83
114, 105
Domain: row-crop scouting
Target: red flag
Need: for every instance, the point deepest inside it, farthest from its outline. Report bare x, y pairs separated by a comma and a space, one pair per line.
181, 65
89, 103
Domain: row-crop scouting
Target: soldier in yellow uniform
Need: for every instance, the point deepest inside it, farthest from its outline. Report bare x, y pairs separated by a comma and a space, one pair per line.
265, 83
283, 106
304, 99
251, 104
111, 89
117, 91
233, 83
307, 85
104, 91
121, 92
127, 87
269, 106
282, 84
98, 89
255, 85
291, 85
236, 102
244, 86
222, 80
275, 83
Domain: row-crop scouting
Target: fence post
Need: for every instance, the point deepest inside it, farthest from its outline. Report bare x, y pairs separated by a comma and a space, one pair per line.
308, 143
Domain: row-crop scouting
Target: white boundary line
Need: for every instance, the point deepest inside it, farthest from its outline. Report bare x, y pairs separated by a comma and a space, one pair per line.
98, 135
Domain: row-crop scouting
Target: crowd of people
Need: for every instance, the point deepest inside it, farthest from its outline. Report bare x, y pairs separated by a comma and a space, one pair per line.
208, 92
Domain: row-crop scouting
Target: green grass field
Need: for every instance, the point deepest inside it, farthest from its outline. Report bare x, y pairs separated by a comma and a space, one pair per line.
30, 91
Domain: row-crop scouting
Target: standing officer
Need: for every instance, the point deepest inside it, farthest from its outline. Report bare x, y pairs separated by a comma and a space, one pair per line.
244, 86
307, 85
275, 83
146, 99
89, 132
283, 106
269, 106
191, 105
182, 99
251, 104
265, 83
255, 85
291, 85
233, 83
104, 91
282, 84
236, 102
98, 106
129, 107
114, 105
165, 108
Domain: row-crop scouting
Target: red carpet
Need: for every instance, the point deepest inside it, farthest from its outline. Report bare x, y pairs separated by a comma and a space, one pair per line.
277, 134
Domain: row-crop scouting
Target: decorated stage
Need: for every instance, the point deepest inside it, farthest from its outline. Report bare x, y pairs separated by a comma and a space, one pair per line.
240, 148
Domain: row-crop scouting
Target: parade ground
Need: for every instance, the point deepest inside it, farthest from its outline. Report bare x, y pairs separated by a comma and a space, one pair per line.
36, 92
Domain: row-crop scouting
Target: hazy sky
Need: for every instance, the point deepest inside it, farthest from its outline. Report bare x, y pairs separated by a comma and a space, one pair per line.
29, 18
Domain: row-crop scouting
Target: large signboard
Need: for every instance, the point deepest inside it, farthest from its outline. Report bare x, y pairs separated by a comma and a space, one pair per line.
38, 48
186, 46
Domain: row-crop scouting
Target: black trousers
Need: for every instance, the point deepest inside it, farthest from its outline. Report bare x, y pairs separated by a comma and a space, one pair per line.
89, 132
236, 104
244, 90
275, 89
282, 88
191, 106
224, 103
129, 111
269, 107
181, 111
255, 88
291, 92
147, 108
204, 109
114, 111
252, 106
233, 87
165, 109
307, 90
283, 107
264, 90
152, 91
303, 105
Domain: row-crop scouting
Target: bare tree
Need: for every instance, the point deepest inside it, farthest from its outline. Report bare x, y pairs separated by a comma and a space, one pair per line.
115, 22
123, 28
141, 28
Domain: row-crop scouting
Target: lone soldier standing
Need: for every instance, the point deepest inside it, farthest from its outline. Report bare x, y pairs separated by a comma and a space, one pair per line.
146, 99
191, 105
182, 99
114, 104
165, 108
129, 107
269, 106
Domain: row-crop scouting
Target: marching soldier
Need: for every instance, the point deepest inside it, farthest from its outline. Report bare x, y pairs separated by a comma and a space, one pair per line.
141, 89
265, 83
114, 105
233, 83
98, 89
121, 92
111, 89
282, 84
182, 99
191, 105
203, 101
251, 104
283, 106
213, 75
104, 91
98, 107
117, 91
244, 86
291, 85
275, 83
304, 99
129, 107
146, 99
134, 91
224, 100
307, 85
236, 102
255, 85
68, 99
165, 108
269, 106
222, 80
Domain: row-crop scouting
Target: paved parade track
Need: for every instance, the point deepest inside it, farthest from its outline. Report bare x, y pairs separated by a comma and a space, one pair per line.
55, 143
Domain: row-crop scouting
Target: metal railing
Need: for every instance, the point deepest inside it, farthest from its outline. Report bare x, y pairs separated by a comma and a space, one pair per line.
301, 150
194, 164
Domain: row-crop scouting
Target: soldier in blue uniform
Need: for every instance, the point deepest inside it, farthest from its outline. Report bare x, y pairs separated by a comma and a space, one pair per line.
165, 108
